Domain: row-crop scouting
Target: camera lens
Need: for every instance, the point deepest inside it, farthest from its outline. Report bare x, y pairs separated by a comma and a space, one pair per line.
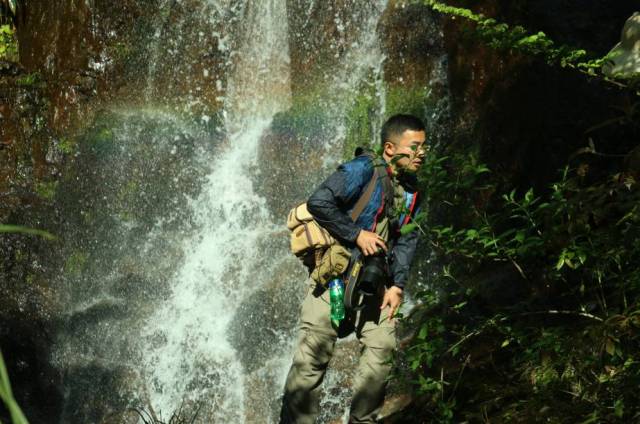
373, 274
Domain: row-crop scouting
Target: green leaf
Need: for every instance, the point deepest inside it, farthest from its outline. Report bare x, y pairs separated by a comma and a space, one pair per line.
407, 228
528, 196
505, 343
24, 230
610, 346
618, 408
415, 364
422, 335
17, 417
459, 305
480, 169
560, 263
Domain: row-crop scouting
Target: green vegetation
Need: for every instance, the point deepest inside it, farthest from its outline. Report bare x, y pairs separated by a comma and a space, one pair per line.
306, 118
181, 416
75, 263
47, 189
17, 417
29, 80
8, 43
564, 322
401, 99
531, 306
67, 145
517, 39
360, 120
23, 230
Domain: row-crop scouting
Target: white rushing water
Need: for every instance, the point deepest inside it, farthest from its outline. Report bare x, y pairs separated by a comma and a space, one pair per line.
193, 360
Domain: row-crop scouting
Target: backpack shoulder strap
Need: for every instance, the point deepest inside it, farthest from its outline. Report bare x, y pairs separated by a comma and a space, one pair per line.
387, 191
387, 187
365, 197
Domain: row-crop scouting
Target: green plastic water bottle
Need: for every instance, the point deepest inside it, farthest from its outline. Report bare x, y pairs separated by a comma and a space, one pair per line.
336, 299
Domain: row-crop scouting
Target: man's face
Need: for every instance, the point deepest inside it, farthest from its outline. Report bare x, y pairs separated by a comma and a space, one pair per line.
407, 151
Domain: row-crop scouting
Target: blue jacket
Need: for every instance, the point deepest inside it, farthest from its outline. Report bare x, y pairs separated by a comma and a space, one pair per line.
333, 200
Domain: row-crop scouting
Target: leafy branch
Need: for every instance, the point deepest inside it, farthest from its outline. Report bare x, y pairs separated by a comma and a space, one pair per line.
501, 36
17, 417
24, 230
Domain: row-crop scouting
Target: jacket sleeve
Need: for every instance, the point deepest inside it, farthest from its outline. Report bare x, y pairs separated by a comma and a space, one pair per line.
402, 256
329, 203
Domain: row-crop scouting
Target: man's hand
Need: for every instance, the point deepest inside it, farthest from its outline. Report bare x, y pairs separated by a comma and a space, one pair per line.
369, 243
393, 299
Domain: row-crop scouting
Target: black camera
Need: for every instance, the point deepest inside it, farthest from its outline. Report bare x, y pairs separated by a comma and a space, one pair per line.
363, 278
374, 273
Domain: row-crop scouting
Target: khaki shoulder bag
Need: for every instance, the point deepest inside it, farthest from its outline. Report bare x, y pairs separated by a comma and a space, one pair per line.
313, 244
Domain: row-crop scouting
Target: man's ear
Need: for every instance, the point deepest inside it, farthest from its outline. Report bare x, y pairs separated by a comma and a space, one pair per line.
389, 148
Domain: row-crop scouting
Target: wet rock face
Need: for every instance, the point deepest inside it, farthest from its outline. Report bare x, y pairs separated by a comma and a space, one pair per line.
33, 381
54, 38
29, 312
264, 320
56, 44
416, 66
291, 165
412, 39
320, 34
128, 52
24, 137
167, 52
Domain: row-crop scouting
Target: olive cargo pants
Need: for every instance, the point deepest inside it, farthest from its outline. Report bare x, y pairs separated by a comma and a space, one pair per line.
314, 350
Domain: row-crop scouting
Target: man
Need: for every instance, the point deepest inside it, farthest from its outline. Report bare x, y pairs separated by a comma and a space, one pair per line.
376, 231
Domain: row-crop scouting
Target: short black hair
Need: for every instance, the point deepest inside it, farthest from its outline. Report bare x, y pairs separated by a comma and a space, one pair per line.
398, 124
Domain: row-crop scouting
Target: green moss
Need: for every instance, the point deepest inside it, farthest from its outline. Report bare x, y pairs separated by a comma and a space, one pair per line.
88, 218
121, 51
100, 140
304, 118
67, 145
46, 189
360, 121
403, 99
8, 43
104, 135
75, 263
28, 80
126, 200
19, 255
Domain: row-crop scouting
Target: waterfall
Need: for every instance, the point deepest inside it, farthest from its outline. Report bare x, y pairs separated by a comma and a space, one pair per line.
180, 291
217, 273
